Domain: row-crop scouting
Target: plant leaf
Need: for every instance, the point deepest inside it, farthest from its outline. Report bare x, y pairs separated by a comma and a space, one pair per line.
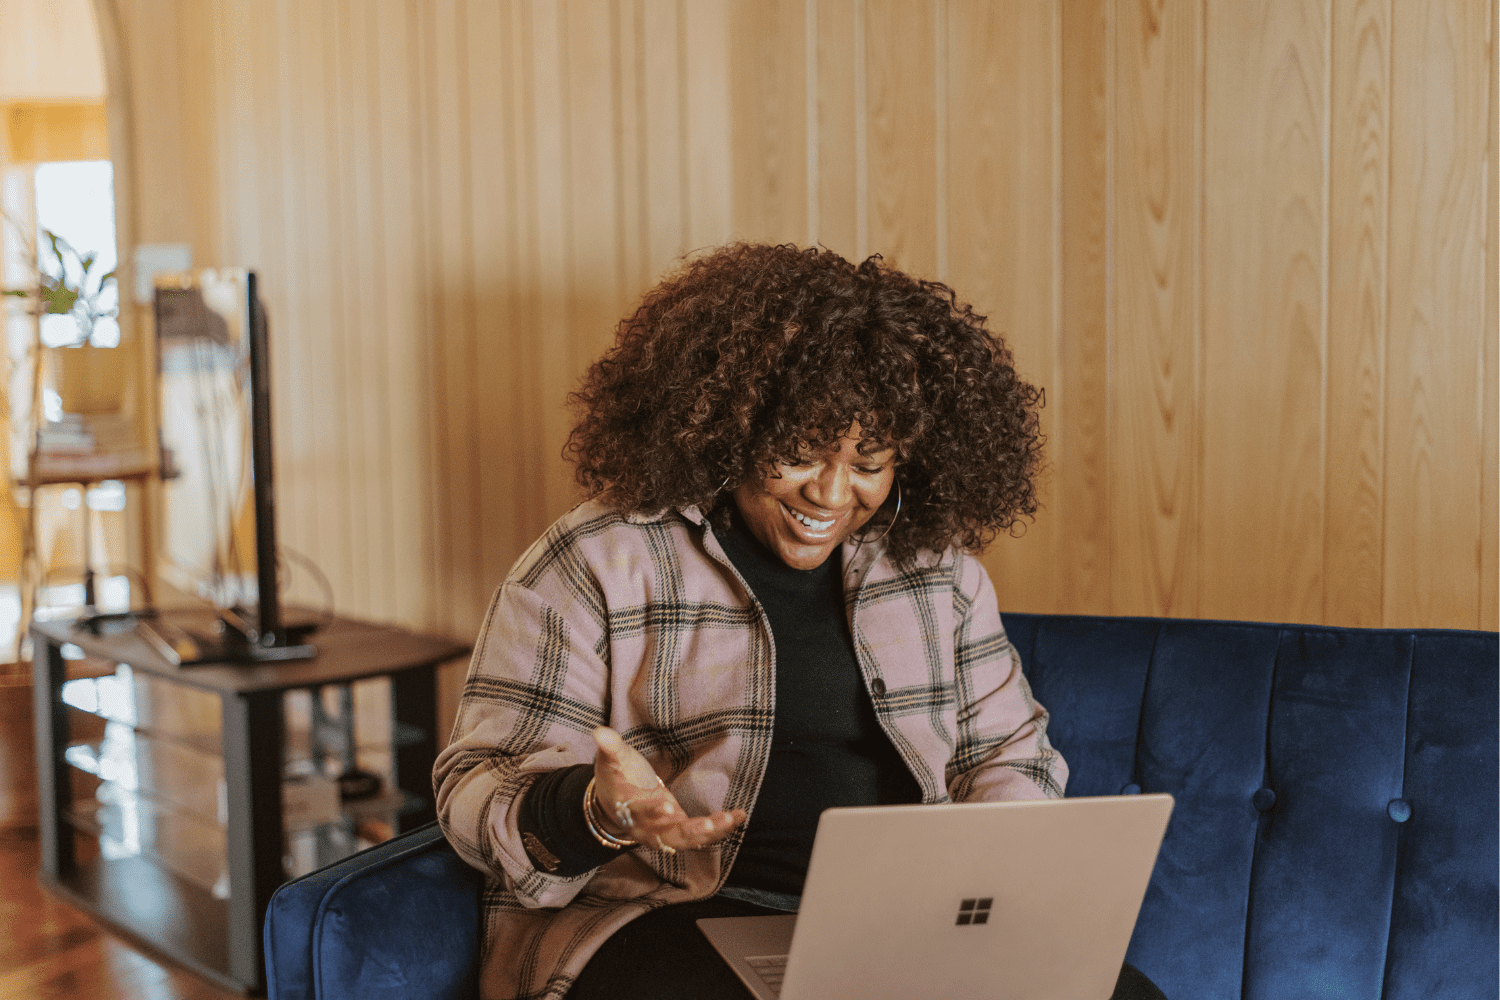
60, 300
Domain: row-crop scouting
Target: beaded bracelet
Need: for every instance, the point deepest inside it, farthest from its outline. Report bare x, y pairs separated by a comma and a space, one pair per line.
590, 804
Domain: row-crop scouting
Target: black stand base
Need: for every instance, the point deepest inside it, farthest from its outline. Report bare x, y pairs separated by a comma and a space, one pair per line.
221, 651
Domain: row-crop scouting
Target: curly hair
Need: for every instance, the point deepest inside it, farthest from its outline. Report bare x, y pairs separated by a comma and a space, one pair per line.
752, 355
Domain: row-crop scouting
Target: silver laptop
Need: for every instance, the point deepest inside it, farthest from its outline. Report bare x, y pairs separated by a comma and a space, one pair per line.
1014, 900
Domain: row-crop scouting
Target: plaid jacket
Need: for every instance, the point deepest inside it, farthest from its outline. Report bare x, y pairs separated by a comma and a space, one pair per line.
641, 622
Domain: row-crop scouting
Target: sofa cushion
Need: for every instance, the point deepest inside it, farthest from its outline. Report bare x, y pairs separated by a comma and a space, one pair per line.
1336, 796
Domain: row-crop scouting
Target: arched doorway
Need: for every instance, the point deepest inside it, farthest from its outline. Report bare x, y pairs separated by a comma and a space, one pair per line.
65, 163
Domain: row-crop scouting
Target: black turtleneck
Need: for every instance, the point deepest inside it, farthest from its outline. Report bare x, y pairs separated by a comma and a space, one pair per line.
827, 747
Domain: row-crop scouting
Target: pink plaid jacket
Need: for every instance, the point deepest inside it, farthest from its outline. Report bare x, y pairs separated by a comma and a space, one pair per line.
641, 622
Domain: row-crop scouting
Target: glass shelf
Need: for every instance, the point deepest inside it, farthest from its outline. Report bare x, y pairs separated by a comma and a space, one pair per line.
169, 711
129, 824
178, 774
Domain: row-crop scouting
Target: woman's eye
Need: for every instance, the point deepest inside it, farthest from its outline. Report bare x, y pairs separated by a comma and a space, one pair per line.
870, 470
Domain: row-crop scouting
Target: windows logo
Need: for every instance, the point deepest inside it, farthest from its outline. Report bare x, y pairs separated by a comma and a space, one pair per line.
974, 911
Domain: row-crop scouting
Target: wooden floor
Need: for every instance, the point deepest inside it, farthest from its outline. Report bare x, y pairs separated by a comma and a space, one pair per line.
48, 949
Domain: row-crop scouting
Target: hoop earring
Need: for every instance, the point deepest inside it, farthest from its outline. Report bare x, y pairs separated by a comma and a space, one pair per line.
892, 521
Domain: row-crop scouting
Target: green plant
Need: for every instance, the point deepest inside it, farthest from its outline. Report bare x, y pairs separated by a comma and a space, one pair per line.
54, 295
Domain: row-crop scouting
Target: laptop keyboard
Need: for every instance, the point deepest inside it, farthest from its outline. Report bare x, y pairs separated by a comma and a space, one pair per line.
771, 969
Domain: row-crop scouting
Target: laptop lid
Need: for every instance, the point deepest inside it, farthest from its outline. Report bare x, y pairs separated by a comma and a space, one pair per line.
1030, 900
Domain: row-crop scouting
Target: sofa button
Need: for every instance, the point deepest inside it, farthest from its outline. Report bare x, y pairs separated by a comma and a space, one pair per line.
1131, 789
1264, 800
1398, 810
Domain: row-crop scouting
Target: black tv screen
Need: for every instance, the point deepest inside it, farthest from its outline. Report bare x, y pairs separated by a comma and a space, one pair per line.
219, 523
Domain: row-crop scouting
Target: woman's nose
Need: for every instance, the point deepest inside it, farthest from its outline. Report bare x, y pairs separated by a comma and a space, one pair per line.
831, 487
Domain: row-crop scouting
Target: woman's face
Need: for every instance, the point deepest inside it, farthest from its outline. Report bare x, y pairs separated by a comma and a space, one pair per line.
802, 511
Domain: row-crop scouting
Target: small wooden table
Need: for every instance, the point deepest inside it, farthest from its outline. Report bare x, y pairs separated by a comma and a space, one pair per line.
221, 937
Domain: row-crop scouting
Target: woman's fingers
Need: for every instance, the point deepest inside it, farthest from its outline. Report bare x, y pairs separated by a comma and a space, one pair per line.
637, 805
660, 828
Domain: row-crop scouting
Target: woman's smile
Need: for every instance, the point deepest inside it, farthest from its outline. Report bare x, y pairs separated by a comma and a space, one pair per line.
804, 510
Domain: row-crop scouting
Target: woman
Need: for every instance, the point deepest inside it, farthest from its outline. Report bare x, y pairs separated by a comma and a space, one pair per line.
770, 605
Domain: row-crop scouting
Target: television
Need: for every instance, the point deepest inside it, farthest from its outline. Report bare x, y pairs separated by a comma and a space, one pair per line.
218, 486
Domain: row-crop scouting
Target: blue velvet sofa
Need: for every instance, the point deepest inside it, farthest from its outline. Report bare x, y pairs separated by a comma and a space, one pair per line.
1335, 833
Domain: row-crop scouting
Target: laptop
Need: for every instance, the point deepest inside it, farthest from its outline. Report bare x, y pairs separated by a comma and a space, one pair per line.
1027, 900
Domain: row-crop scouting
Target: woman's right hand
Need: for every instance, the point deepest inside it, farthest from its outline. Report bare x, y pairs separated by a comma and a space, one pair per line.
634, 804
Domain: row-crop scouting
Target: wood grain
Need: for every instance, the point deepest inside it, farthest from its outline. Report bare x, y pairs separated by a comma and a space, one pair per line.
492, 256
664, 216
370, 507
768, 105
1435, 361
1264, 329
49, 949
397, 213
1154, 400
1079, 454
1359, 167
902, 135
1248, 249
1002, 230
837, 224
1489, 491
706, 118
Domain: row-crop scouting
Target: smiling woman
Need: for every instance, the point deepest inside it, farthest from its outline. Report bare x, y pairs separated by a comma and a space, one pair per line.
768, 607
804, 509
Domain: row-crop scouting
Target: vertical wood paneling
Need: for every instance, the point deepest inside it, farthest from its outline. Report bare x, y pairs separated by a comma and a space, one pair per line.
492, 256
1489, 491
1359, 167
1155, 431
900, 83
629, 143
1080, 499
661, 107
709, 180
1248, 249
364, 346
400, 270
1002, 229
1263, 330
273, 149
327, 306
837, 193
451, 293
595, 295
550, 110
1440, 131
769, 108
299, 527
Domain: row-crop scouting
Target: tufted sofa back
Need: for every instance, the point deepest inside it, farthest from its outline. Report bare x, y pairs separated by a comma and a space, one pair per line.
1335, 833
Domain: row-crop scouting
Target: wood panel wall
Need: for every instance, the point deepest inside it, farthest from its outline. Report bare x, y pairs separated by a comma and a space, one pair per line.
1246, 247
450, 204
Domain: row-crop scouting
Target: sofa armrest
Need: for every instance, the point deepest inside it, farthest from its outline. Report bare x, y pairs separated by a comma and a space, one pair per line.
398, 920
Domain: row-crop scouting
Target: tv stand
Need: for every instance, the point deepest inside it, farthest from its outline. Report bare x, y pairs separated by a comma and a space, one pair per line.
205, 906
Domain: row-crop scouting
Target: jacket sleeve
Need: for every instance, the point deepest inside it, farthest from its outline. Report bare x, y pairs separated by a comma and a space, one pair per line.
536, 688
1001, 751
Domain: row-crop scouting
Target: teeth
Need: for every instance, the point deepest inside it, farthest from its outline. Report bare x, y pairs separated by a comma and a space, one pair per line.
814, 525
